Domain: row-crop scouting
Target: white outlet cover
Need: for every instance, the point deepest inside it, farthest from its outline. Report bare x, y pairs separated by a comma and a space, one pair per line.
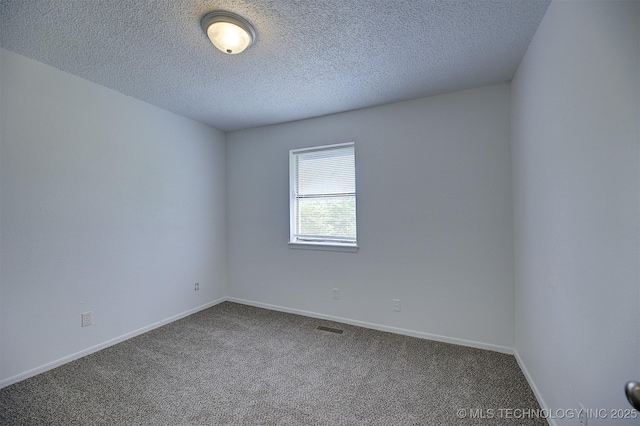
86, 319
396, 305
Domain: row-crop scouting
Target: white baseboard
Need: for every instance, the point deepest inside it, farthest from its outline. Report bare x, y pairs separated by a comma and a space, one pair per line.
373, 326
532, 385
51, 365
412, 333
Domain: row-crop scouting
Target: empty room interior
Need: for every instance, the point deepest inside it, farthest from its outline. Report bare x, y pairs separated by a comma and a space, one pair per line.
151, 196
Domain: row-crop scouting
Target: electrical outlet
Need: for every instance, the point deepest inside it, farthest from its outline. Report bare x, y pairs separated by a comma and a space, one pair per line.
87, 319
196, 287
396, 305
336, 293
582, 415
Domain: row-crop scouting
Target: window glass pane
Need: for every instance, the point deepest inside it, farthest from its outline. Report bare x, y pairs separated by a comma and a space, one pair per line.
327, 216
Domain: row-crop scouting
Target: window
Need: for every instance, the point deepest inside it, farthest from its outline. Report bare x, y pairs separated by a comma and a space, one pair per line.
323, 197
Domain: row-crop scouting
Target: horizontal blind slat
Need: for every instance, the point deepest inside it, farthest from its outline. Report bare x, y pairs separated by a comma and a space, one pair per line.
326, 172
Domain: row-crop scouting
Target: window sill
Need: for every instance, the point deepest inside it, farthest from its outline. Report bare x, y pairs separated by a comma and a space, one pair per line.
324, 247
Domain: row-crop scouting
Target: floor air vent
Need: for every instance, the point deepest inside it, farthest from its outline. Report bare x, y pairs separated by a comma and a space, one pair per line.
329, 329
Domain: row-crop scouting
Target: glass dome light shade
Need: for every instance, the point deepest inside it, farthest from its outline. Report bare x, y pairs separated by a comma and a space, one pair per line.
229, 32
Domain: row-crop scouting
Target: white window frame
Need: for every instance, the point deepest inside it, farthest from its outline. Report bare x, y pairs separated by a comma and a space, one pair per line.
296, 243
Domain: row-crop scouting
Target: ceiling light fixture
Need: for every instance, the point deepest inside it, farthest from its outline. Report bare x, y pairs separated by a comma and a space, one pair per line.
229, 32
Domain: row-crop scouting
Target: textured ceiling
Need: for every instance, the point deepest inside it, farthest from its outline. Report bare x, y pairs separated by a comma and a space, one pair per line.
311, 57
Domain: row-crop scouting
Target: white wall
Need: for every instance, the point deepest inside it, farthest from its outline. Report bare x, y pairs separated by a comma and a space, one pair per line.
576, 213
434, 218
109, 205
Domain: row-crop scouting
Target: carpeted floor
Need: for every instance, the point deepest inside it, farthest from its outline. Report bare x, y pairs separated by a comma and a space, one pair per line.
238, 365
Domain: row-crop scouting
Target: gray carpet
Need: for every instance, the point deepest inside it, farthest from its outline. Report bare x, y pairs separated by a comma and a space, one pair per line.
238, 365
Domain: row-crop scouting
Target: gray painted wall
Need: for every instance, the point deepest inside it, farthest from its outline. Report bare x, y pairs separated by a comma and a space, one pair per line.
576, 173
434, 204
109, 205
